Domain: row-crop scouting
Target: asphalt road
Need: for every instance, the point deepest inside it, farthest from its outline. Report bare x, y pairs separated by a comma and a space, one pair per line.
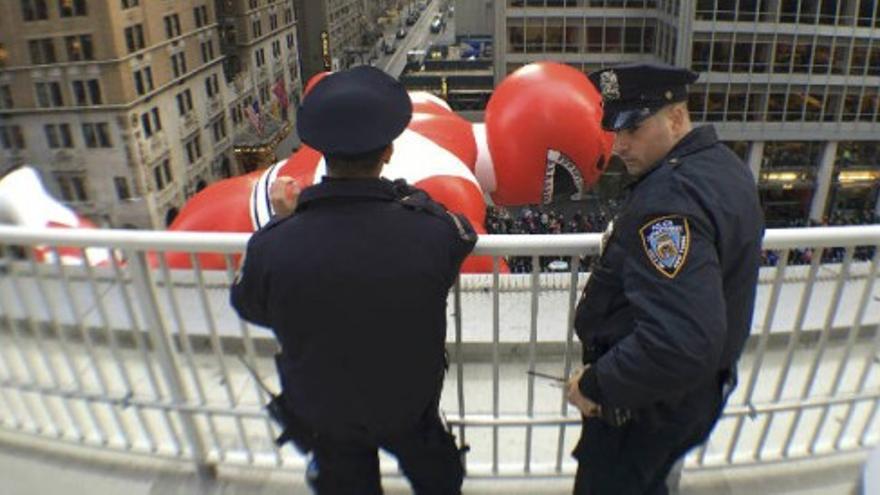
419, 36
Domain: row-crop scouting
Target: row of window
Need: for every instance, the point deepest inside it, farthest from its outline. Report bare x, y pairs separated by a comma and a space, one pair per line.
79, 47
627, 4
88, 92
799, 55
797, 104
134, 34
38, 10
826, 12
95, 135
49, 94
639, 38
806, 155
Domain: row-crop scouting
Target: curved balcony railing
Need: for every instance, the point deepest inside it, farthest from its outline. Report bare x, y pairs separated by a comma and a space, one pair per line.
126, 354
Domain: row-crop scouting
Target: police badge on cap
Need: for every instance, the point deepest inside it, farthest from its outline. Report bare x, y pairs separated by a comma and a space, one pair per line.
631, 93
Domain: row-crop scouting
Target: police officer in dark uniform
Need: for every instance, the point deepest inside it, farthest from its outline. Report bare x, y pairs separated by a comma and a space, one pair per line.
668, 307
354, 285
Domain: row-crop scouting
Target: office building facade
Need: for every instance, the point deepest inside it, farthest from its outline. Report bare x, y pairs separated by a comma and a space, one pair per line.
791, 85
124, 105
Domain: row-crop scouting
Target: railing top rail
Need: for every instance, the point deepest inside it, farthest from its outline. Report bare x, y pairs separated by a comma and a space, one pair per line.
568, 244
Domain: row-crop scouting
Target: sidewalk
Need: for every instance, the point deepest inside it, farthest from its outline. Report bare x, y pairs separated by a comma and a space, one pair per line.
25, 471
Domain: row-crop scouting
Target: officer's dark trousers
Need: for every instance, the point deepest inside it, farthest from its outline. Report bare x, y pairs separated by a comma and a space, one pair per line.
349, 463
635, 459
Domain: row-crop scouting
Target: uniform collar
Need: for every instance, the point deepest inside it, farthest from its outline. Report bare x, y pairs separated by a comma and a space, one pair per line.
698, 139
333, 188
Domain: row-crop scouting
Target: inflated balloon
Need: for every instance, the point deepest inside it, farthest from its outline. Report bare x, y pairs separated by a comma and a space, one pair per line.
543, 124
449, 131
424, 102
217, 208
25, 202
417, 158
542, 133
313, 81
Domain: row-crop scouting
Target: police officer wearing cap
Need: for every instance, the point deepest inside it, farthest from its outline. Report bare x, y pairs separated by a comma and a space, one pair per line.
354, 285
668, 306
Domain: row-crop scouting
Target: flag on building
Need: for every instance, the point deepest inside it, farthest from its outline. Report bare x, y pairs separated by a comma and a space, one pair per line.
281, 93
252, 112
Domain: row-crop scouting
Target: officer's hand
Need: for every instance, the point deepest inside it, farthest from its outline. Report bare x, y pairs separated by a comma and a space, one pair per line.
587, 407
283, 194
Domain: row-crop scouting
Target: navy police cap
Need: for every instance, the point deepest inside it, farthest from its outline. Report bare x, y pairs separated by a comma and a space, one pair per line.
633, 92
354, 111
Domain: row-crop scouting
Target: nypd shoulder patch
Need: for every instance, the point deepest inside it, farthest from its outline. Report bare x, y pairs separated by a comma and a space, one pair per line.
666, 241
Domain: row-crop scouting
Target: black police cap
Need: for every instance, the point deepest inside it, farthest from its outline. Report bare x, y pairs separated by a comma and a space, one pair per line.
354, 111
633, 92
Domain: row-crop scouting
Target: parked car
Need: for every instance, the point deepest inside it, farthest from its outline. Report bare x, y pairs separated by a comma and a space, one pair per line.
388, 46
401, 33
436, 25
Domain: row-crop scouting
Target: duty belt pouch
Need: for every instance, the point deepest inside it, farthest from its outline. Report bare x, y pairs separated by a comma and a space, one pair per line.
293, 428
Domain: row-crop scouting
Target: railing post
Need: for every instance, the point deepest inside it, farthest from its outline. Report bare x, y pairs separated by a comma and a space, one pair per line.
163, 348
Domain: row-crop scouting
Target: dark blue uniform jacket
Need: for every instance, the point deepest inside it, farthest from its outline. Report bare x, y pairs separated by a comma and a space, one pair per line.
669, 303
354, 285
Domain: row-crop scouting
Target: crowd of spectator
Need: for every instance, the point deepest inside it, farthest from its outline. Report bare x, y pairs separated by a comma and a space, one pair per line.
546, 220
552, 220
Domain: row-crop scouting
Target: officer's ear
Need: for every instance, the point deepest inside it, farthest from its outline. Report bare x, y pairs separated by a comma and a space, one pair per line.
679, 119
386, 155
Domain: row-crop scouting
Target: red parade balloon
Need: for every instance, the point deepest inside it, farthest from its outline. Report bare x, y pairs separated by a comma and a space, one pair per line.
449, 131
541, 117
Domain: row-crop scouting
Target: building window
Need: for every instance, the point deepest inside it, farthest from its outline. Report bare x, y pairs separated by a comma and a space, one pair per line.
87, 92
6, 102
96, 135
792, 154
264, 93
172, 26
42, 51
258, 28
178, 64
151, 122
79, 47
201, 15
58, 136
72, 8
237, 116
194, 149
122, 190
219, 128
127, 4
207, 51
260, 57
288, 16
162, 174
134, 38
34, 10
49, 95
11, 137
290, 41
143, 80
253, 4
184, 102
276, 49
72, 187
212, 87
273, 22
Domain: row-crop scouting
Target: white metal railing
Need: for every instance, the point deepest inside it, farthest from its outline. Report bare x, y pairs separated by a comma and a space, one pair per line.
132, 355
